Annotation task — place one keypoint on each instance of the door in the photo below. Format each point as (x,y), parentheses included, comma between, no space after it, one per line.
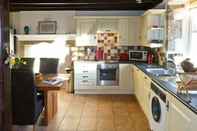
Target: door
(123,29)
(86,30)
(125,77)
(5,93)
(107,25)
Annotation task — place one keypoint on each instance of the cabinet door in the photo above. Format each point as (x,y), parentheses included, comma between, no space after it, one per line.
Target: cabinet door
(123,30)
(86,30)
(86,26)
(125,76)
(178,117)
(107,25)
(146,96)
(134,30)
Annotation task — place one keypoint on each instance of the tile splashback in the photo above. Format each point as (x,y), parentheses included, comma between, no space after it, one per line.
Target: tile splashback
(89,52)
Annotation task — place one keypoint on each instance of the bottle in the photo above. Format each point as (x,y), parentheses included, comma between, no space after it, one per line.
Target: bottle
(150,58)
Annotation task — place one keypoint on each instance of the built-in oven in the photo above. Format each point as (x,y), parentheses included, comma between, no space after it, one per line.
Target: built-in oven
(108,74)
(135,55)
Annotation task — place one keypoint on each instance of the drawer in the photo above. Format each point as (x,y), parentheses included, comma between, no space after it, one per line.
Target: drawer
(87,82)
(85,71)
(85,76)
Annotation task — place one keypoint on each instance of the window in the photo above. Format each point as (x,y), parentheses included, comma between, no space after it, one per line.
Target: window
(193,36)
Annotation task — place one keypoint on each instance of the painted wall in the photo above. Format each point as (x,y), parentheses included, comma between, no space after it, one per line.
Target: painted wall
(65,21)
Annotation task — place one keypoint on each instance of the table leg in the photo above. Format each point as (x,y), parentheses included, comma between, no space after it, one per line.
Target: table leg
(50,106)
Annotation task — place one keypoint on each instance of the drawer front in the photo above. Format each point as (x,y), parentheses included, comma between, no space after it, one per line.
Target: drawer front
(85,76)
(86,84)
(85,71)
(85,68)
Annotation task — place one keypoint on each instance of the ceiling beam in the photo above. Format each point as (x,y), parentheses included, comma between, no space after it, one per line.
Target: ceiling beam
(82,5)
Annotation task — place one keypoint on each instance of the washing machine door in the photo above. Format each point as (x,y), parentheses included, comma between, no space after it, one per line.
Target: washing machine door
(156,109)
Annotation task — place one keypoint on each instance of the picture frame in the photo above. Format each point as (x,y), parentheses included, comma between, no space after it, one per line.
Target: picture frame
(47,27)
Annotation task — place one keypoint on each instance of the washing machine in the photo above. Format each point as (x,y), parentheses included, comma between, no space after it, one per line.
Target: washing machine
(157,108)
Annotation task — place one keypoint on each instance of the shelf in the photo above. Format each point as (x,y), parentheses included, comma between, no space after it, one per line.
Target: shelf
(45,37)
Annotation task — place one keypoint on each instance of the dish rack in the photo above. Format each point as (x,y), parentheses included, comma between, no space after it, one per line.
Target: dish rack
(188,82)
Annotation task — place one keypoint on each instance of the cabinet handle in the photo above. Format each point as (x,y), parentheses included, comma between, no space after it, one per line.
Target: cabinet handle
(167,105)
(85,71)
(84,81)
(85,76)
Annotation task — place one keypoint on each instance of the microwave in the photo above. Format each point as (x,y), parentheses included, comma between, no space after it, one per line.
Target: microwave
(135,55)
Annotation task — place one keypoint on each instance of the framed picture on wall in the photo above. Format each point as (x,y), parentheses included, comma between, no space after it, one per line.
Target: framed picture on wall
(47,27)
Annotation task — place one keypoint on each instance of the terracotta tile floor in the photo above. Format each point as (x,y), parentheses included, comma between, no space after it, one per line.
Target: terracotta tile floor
(95,113)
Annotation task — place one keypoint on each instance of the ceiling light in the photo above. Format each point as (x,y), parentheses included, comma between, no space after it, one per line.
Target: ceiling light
(139,1)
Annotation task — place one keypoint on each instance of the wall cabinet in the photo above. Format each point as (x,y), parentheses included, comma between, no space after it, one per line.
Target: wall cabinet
(153,28)
(125,77)
(86,32)
(128,28)
(107,25)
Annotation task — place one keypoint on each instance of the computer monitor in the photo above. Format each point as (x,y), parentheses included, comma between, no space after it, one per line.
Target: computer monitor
(48,65)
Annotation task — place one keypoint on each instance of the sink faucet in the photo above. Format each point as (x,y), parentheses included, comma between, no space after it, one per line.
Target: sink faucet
(171,66)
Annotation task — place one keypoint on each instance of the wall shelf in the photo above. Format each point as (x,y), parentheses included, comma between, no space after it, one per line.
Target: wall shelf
(45,37)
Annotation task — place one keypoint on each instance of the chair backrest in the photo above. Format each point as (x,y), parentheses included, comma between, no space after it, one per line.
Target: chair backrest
(48,65)
(23,96)
(29,63)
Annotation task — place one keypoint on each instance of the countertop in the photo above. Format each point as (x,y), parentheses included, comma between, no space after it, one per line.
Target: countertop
(171,87)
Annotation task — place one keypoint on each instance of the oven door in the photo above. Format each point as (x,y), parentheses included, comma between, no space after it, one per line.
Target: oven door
(108,75)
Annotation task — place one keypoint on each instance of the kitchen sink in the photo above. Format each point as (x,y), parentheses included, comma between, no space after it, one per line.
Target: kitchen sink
(159,72)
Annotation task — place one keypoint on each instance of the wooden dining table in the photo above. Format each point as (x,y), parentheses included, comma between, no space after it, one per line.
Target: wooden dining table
(50,94)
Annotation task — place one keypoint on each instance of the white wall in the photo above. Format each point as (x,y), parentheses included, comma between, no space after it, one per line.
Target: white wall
(65,21)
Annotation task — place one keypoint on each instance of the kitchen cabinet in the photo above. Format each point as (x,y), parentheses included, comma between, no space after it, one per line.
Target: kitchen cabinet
(179,117)
(134,30)
(142,85)
(123,30)
(146,96)
(136,80)
(86,32)
(153,28)
(125,76)
(107,25)
(85,75)
(128,28)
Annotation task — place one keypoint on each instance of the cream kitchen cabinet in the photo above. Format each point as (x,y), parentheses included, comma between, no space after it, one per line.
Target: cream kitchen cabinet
(139,83)
(142,85)
(146,94)
(179,117)
(86,32)
(129,30)
(134,30)
(107,25)
(153,28)
(123,30)
(125,76)
(85,75)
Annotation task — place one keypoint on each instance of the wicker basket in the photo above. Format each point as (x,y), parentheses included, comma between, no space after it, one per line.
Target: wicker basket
(188,82)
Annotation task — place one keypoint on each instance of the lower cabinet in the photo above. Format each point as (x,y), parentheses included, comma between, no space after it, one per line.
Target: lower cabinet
(142,85)
(179,117)
(125,77)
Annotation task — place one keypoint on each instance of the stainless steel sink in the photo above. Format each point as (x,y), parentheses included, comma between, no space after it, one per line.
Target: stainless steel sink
(159,71)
